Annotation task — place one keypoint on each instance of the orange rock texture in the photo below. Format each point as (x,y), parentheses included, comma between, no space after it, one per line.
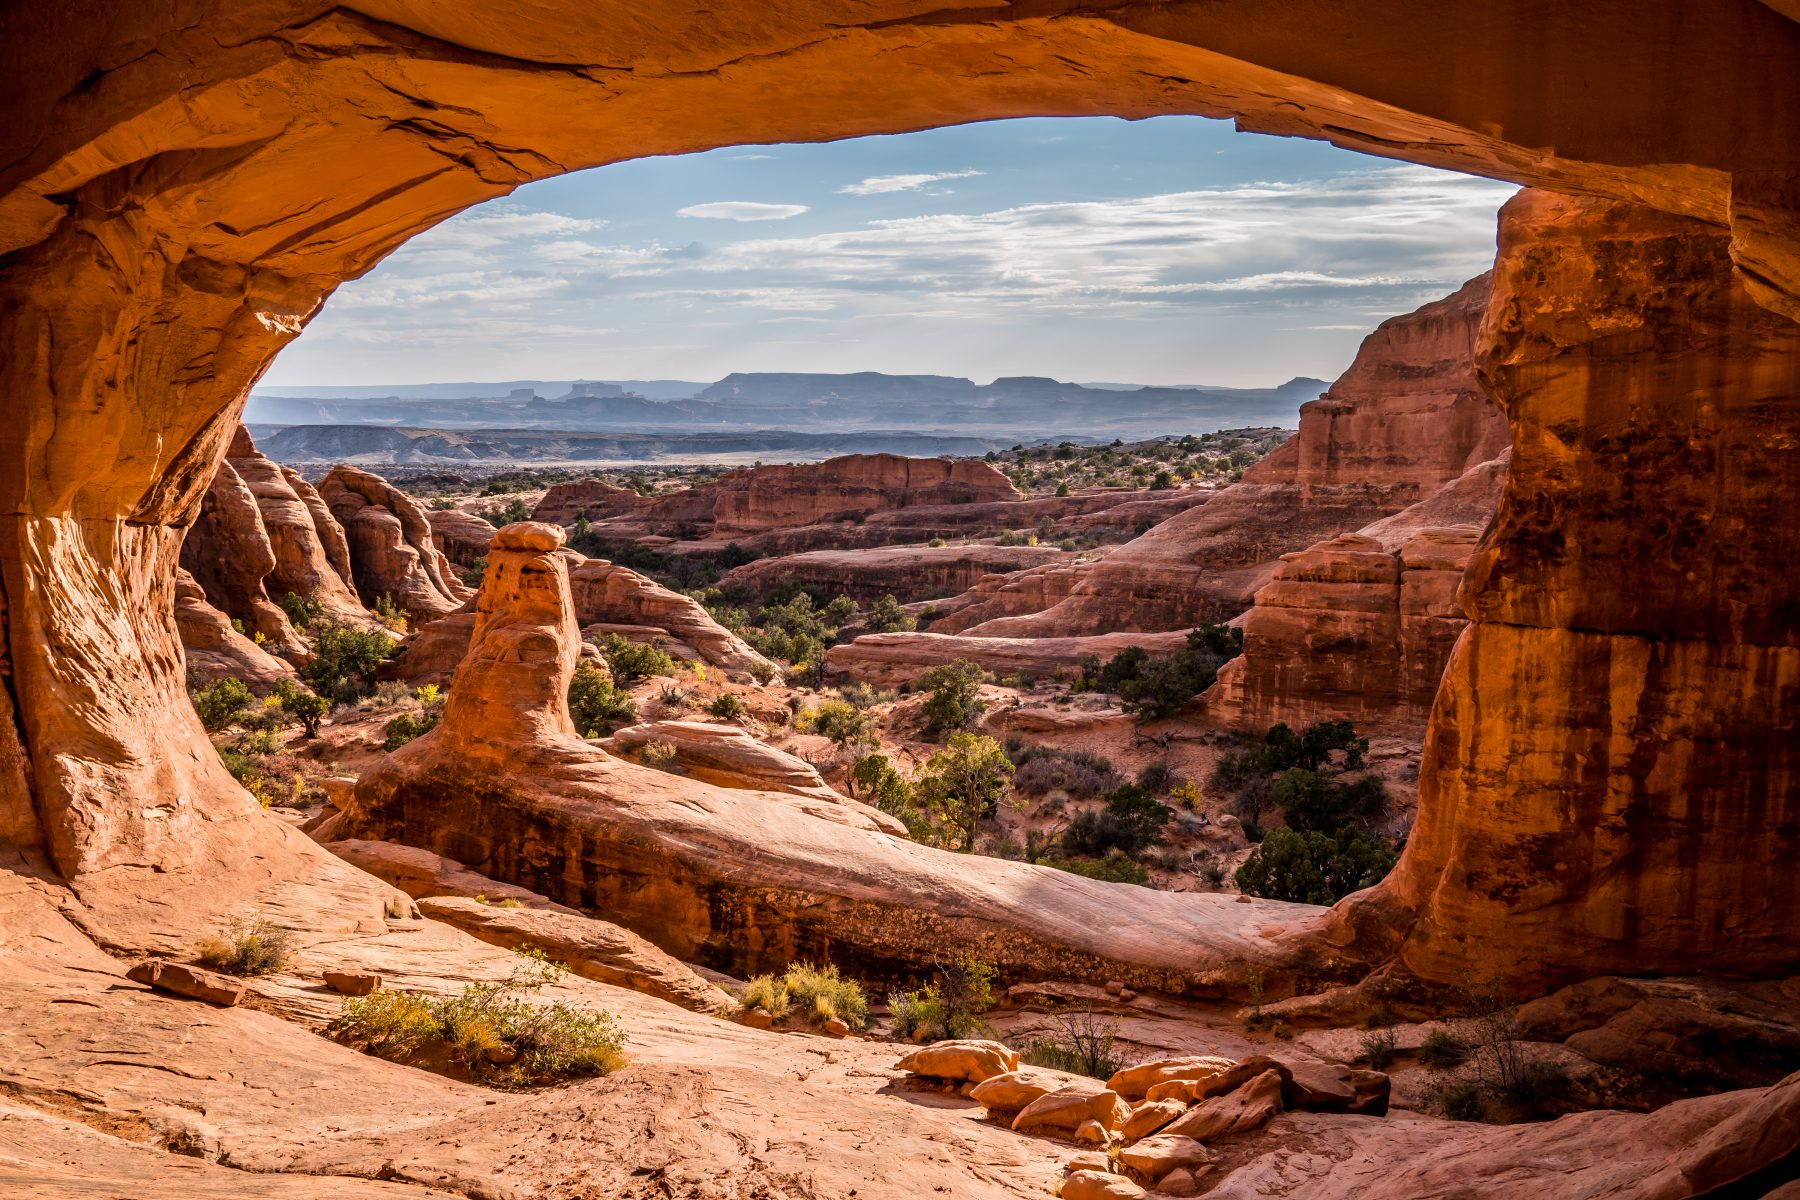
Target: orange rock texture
(392,553)
(182,189)
(905,572)
(1613,764)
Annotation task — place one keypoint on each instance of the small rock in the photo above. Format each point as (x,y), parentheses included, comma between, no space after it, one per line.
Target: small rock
(1182,1181)
(967,1089)
(500,1056)
(1243,899)
(1128,995)
(1063,1110)
(1249,1107)
(756,1018)
(837,1027)
(1114,987)
(192,982)
(1090,1133)
(1091,1160)
(1134,1083)
(1098,1185)
(352,983)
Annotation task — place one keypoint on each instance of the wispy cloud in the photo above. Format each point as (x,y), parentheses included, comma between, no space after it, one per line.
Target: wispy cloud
(877,184)
(742,210)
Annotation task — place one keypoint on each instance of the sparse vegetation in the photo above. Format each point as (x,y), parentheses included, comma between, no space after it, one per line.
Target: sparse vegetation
(631,661)
(249,947)
(817,993)
(219,704)
(838,720)
(345,659)
(1443,1050)
(726,707)
(962,785)
(489,1031)
(595,705)
(1078,1042)
(1158,688)
(950,1006)
(1379,1048)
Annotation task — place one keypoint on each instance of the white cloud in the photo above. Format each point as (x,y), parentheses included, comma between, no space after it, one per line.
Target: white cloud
(742,210)
(750,157)
(877,184)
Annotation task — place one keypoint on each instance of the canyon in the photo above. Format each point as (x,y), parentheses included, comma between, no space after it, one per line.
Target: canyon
(1576,515)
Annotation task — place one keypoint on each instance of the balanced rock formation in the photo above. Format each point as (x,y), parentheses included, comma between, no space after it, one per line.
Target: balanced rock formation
(904,572)
(214,649)
(1359,627)
(1408,417)
(738,879)
(391,548)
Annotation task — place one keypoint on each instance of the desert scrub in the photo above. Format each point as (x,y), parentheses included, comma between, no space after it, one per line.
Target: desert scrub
(1379,1048)
(950,1006)
(220,703)
(663,756)
(248,947)
(838,720)
(815,993)
(1443,1050)
(725,707)
(630,661)
(489,1031)
(595,705)
(1078,1043)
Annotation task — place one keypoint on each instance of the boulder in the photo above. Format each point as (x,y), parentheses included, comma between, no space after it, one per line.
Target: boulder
(1134,1082)
(1333,1087)
(461,535)
(972,1060)
(1182,1181)
(352,983)
(593,949)
(213,649)
(192,982)
(1063,1110)
(1099,1185)
(1149,1116)
(1154,1157)
(1010,1092)
(1248,1108)
(1090,1133)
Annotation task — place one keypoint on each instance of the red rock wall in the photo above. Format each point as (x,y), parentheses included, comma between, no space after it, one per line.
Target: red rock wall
(1408,417)
(391,549)
(1612,774)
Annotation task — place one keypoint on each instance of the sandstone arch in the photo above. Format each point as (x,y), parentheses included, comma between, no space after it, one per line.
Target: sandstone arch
(184,185)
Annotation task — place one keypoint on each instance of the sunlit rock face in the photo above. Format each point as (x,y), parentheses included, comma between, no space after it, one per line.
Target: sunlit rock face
(1408,417)
(1612,775)
(392,553)
(183,188)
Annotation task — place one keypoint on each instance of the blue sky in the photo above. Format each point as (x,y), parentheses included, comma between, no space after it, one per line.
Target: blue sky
(1173,250)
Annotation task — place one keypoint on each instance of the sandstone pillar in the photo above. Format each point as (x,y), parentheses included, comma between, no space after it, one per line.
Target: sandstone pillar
(1612,774)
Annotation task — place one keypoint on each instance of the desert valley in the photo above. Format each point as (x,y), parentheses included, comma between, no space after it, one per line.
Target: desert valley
(1399,801)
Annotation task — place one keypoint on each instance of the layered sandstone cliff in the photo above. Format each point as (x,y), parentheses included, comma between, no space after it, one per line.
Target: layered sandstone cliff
(1359,627)
(1408,417)
(462,536)
(904,572)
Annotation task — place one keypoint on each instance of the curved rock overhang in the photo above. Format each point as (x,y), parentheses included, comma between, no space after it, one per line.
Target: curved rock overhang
(185,184)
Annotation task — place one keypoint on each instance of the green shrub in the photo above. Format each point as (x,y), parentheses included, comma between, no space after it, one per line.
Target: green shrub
(220,703)
(838,720)
(664,756)
(1460,1102)
(1379,1048)
(1132,821)
(1443,1050)
(948,1007)
(726,707)
(888,617)
(1115,867)
(405,727)
(1157,689)
(1314,868)
(875,781)
(631,661)
(767,993)
(953,699)
(248,947)
(963,784)
(1079,1044)
(303,706)
(300,610)
(595,705)
(821,993)
(344,660)
(488,1030)
(937,543)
